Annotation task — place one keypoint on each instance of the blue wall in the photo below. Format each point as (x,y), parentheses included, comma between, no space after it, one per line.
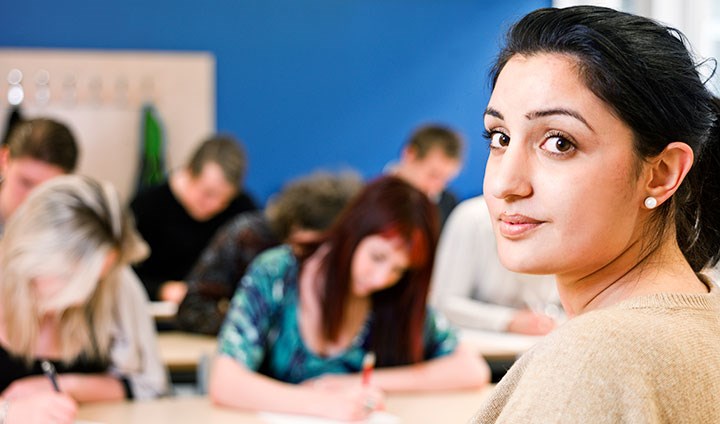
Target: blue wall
(308,84)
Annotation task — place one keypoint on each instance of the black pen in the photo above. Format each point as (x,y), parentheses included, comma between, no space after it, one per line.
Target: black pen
(49,370)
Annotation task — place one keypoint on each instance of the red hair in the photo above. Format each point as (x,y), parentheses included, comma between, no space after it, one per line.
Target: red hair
(416,244)
(389,207)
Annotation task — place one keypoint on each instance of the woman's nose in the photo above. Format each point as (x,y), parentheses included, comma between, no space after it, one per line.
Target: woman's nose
(507,174)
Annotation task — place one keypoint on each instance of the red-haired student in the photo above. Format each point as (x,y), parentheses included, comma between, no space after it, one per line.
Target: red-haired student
(298,328)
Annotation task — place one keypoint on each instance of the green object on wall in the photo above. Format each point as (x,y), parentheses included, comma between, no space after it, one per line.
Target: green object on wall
(152,151)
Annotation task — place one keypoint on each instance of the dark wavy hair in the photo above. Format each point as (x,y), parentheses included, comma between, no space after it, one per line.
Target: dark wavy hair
(646,74)
(311,202)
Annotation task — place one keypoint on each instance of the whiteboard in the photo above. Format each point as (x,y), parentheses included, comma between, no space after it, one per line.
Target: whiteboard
(100,94)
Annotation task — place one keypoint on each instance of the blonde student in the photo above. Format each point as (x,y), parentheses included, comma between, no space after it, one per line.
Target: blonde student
(68,297)
(603,170)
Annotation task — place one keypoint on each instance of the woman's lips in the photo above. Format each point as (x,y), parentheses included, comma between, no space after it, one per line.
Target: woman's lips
(516,225)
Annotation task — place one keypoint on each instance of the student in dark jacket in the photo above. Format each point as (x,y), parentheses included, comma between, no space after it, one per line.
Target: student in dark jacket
(179,217)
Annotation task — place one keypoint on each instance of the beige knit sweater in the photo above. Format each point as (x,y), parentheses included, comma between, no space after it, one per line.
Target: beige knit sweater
(652,359)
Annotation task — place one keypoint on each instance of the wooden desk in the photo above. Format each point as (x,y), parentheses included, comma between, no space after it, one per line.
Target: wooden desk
(494,346)
(163,311)
(181,352)
(452,407)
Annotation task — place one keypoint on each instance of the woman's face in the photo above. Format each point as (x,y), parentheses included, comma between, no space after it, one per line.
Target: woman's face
(21,175)
(430,173)
(50,287)
(377,264)
(208,194)
(562,182)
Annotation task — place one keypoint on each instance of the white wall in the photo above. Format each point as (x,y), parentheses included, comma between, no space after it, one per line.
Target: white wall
(100,95)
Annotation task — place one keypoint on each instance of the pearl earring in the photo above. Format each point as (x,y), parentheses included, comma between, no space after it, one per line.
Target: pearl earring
(650,202)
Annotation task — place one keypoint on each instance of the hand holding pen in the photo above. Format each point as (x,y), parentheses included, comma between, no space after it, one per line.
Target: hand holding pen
(27,401)
(347,398)
(70,409)
(368,365)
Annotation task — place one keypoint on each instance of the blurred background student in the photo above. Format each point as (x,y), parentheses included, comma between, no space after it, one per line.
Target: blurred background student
(430,159)
(35,151)
(474,290)
(179,217)
(312,319)
(68,296)
(297,215)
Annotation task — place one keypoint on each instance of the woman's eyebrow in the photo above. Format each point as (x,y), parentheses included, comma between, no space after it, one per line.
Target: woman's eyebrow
(492,112)
(543,113)
(558,111)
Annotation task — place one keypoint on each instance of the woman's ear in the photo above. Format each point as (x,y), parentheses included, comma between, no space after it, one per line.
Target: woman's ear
(668,170)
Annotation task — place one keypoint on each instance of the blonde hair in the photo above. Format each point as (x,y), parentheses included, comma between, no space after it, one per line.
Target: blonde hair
(65,229)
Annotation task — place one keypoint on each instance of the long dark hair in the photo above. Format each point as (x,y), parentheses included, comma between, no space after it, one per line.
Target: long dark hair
(388,207)
(646,74)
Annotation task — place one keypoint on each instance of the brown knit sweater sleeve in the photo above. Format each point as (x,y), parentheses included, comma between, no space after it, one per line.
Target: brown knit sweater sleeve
(654,359)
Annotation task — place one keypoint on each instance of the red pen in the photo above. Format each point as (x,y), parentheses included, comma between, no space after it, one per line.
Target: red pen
(367,367)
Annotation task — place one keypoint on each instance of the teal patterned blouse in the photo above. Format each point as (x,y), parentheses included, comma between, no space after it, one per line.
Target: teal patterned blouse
(261,328)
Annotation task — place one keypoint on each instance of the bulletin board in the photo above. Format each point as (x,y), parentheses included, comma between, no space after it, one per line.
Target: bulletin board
(100,96)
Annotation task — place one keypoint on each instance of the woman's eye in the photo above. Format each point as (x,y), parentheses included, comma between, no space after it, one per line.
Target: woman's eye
(557,144)
(498,139)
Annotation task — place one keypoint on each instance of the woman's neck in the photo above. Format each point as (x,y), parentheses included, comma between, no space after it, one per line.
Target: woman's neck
(48,345)
(630,274)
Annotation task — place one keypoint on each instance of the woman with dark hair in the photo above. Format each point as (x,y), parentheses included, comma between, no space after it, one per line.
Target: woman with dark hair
(603,171)
(313,319)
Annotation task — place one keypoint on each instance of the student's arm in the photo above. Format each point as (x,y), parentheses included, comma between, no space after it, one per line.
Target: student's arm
(462,369)
(202,312)
(448,366)
(92,387)
(134,353)
(80,387)
(233,385)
